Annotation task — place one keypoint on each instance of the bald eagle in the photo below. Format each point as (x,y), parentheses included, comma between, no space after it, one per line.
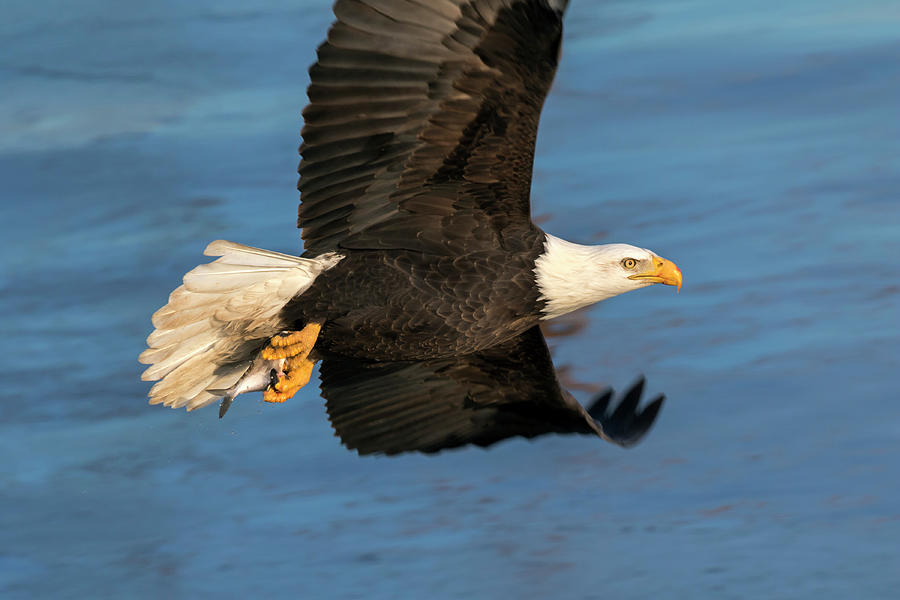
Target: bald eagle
(423,281)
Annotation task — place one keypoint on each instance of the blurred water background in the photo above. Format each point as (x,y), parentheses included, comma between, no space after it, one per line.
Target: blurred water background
(756,144)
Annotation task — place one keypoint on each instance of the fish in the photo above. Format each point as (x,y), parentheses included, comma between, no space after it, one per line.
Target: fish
(260,375)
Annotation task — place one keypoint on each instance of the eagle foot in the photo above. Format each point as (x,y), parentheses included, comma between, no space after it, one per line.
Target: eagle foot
(294,347)
(292,343)
(297,372)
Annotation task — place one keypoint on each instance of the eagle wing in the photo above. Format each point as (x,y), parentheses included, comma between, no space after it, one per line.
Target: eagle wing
(508,390)
(421,125)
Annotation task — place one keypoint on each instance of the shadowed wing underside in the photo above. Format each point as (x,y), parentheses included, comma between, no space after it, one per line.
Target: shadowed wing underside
(508,390)
(422,121)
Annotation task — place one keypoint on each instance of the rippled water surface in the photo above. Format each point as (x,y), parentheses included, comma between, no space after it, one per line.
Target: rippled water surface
(757,145)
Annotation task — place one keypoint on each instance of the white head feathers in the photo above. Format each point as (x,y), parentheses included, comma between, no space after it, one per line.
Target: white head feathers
(571,276)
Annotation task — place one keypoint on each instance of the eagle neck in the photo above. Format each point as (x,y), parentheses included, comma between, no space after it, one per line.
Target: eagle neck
(569,277)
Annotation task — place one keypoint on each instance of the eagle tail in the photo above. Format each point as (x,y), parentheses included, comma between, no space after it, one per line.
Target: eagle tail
(213,325)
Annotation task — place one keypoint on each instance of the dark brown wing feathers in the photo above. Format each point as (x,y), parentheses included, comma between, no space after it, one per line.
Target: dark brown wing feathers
(422,119)
(508,390)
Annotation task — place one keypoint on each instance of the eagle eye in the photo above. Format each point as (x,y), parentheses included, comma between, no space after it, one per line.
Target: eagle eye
(629,263)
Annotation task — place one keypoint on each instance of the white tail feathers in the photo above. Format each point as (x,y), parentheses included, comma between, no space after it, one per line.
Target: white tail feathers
(203,332)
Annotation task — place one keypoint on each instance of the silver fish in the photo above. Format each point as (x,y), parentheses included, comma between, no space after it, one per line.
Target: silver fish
(260,375)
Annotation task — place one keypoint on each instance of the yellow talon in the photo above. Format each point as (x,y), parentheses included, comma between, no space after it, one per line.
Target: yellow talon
(291,382)
(275,353)
(287,339)
(294,348)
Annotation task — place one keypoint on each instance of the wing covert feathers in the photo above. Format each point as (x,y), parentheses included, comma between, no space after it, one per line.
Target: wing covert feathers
(207,333)
(508,390)
(422,121)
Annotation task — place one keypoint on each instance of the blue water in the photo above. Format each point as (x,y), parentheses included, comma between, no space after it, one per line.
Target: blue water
(756,144)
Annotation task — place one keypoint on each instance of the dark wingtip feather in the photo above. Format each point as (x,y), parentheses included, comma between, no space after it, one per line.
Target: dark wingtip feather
(626,425)
(645,419)
(598,409)
(628,406)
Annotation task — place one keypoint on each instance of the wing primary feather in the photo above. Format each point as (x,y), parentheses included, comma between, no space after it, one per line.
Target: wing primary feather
(629,403)
(443,87)
(600,404)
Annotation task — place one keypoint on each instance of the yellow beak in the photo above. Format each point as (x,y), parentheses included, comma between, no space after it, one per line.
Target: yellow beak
(663,271)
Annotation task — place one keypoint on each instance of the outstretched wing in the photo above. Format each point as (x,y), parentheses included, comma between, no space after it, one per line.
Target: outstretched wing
(508,390)
(421,124)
